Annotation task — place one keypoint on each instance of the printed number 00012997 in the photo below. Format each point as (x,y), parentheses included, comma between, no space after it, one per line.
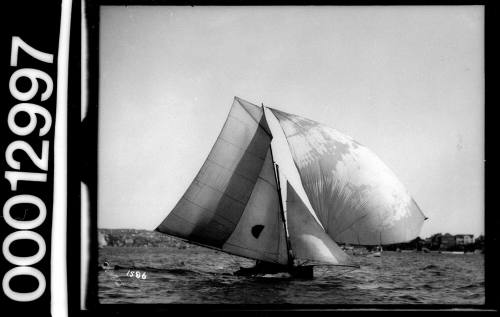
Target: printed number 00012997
(25,103)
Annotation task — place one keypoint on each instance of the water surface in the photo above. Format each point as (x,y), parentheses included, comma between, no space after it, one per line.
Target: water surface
(202,276)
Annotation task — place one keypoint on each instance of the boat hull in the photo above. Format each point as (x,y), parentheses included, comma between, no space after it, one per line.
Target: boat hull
(267,269)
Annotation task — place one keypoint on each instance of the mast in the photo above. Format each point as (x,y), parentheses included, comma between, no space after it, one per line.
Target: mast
(282,210)
(283,216)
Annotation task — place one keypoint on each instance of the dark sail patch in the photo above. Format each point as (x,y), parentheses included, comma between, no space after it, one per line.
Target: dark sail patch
(256,230)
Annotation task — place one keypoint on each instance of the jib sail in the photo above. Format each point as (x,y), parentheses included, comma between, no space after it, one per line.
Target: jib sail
(310,243)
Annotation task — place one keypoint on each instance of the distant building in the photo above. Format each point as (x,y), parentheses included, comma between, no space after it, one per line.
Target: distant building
(447,241)
(435,241)
(464,239)
(450,242)
(479,242)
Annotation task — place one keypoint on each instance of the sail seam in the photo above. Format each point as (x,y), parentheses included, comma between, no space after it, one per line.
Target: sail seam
(220,223)
(266,181)
(230,170)
(184,219)
(239,148)
(214,212)
(249,249)
(223,194)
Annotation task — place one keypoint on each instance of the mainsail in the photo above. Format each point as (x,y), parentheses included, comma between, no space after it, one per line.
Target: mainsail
(235,203)
(232,203)
(356,197)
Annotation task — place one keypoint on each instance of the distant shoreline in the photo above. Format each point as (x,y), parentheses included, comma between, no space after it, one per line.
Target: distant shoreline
(138,238)
(148,238)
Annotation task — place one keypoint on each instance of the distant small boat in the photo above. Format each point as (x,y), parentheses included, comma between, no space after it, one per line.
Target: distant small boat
(452,252)
(377,252)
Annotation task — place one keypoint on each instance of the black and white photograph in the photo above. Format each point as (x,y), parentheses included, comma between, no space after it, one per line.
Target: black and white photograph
(325,155)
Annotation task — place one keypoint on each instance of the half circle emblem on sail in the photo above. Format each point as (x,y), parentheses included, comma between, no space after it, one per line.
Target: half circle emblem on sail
(234,191)
(355,196)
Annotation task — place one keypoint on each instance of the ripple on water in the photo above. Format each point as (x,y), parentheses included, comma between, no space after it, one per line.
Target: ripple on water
(204,276)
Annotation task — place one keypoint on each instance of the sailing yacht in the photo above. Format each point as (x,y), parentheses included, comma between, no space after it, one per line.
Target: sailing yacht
(285,190)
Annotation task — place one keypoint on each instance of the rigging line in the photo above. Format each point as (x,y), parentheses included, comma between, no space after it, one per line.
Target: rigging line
(352,224)
(420,210)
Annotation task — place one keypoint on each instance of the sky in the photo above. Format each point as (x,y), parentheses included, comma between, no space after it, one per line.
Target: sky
(407,82)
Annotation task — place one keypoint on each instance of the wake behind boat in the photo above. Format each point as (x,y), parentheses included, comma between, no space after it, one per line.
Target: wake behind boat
(290,219)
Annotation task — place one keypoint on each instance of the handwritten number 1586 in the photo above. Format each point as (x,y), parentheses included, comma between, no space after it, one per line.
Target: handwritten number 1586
(137,274)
